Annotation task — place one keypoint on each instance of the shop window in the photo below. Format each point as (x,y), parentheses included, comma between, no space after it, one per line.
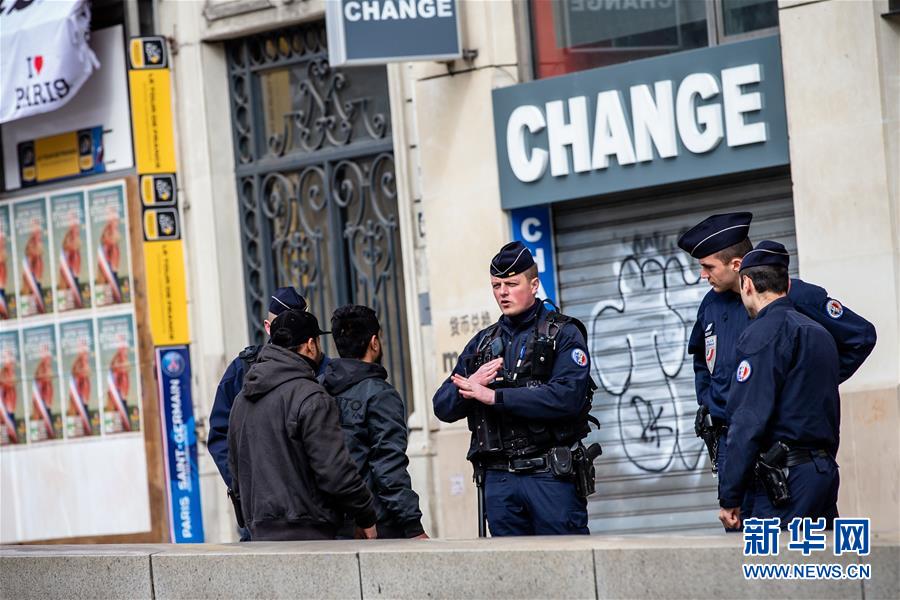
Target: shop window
(574,35)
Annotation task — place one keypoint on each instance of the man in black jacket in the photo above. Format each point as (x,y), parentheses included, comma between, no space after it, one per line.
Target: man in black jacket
(289,465)
(373,416)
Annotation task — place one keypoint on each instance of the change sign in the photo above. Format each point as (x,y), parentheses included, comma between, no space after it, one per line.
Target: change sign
(367,32)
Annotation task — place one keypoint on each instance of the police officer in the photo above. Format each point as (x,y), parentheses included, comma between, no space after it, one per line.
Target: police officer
(784,409)
(230,385)
(720,243)
(524,386)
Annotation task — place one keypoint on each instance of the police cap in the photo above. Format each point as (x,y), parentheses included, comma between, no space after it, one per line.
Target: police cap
(767,254)
(286,298)
(715,233)
(513,258)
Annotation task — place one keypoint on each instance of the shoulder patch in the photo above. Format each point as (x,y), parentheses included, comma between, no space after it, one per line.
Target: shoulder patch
(834,309)
(744,371)
(579,357)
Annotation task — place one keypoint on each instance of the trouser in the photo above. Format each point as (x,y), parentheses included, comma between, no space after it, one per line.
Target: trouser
(533,504)
(747,502)
(814,493)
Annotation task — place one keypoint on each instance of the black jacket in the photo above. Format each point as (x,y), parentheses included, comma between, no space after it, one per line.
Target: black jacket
(287,455)
(373,417)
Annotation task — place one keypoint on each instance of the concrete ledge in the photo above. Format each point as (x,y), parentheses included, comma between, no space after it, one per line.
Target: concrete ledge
(573,567)
(50,572)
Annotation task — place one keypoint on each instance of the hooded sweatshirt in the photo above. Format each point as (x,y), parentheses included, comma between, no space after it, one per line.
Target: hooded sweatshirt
(288,460)
(373,416)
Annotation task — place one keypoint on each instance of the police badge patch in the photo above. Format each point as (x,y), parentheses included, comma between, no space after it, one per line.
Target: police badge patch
(579,357)
(743,371)
(711,352)
(834,309)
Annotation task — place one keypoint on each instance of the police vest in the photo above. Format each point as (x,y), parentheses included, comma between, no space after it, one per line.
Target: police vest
(494,432)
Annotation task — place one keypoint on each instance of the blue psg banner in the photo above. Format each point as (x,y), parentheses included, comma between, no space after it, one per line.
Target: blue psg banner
(173,371)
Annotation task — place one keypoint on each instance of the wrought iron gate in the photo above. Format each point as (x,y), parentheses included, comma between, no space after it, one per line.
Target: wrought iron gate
(315,179)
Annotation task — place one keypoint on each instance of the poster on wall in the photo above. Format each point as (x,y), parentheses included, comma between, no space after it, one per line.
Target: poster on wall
(79,378)
(73,288)
(41,384)
(109,244)
(118,374)
(7,269)
(12,427)
(33,258)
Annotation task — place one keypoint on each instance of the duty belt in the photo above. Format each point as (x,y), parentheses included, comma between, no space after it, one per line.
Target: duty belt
(532,464)
(802,456)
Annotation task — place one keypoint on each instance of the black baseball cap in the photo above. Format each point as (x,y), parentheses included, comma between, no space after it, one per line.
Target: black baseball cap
(294,327)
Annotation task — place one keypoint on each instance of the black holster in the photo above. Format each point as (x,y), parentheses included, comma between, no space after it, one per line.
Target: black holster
(236,503)
(771,473)
(583,468)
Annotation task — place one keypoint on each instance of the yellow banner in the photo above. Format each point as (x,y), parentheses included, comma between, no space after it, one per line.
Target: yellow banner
(151,113)
(166,296)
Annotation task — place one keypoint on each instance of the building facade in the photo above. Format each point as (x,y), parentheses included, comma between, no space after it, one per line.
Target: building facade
(393,186)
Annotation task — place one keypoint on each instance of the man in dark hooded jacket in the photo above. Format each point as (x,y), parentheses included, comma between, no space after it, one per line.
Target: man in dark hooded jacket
(289,465)
(373,416)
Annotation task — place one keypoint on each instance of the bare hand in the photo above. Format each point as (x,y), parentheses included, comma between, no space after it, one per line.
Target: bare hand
(421,536)
(487,372)
(730,517)
(471,390)
(368,533)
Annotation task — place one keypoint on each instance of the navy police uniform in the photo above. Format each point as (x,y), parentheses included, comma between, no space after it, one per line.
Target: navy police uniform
(532,415)
(785,390)
(722,318)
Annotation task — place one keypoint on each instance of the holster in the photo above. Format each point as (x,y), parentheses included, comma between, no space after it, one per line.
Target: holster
(236,503)
(583,468)
(770,472)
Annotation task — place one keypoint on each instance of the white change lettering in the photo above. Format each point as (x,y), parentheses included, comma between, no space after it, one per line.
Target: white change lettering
(700,113)
(397,10)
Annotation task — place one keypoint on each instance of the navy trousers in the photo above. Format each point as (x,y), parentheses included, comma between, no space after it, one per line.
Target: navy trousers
(533,504)
(747,502)
(814,493)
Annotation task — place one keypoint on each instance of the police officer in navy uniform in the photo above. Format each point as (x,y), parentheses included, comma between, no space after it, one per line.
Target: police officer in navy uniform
(784,408)
(720,243)
(283,299)
(524,386)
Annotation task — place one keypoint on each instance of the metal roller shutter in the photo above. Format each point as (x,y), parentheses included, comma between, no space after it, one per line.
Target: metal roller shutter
(622,274)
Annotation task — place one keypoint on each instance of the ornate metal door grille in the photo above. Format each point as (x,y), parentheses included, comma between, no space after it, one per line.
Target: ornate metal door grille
(315,179)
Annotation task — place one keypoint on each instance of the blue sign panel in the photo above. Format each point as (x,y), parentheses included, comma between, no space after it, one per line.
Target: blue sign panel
(661,120)
(173,370)
(366,32)
(532,226)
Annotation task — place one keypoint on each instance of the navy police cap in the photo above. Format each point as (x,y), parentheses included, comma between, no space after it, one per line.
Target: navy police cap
(715,233)
(285,298)
(512,259)
(767,254)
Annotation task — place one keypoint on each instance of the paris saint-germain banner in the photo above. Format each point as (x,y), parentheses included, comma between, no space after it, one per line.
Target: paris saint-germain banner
(173,365)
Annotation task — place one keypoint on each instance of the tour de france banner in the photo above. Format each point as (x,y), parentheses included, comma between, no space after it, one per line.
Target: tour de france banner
(12,426)
(73,287)
(180,441)
(7,270)
(32,258)
(42,384)
(44,55)
(109,245)
(119,374)
(80,383)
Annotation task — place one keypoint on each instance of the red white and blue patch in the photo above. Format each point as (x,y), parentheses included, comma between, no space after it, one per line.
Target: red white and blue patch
(743,371)
(579,357)
(834,309)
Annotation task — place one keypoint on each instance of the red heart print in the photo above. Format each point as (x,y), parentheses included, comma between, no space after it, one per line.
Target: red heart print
(38,63)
